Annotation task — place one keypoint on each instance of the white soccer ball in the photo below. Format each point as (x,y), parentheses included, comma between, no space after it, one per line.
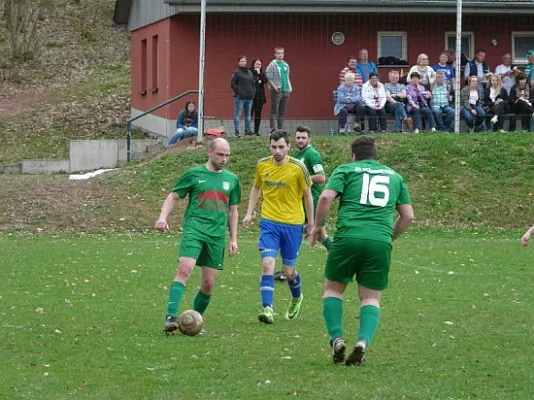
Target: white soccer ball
(190,323)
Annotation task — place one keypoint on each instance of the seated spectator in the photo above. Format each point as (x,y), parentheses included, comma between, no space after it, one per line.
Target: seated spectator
(507,71)
(396,97)
(349,101)
(520,101)
(479,68)
(442,66)
(440,103)
(374,97)
(351,67)
(418,103)
(186,123)
(366,67)
(471,101)
(426,73)
(496,101)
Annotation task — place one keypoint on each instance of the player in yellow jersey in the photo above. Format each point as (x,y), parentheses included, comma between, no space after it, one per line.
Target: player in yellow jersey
(284,181)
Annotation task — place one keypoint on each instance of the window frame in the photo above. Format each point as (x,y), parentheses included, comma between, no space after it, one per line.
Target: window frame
(404,38)
(470,35)
(515,59)
(155,64)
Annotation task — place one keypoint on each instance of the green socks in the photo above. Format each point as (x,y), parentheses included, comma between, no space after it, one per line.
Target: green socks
(327,242)
(175,298)
(369,316)
(202,301)
(333,316)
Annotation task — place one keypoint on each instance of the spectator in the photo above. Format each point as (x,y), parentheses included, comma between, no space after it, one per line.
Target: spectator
(244,88)
(530,66)
(442,66)
(520,102)
(396,97)
(506,72)
(260,79)
(496,101)
(366,67)
(426,73)
(418,103)
(278,74)
(440,104)
(472,111)
(479,68)
(374,97)
(349,101)
(351,67)
(186,123)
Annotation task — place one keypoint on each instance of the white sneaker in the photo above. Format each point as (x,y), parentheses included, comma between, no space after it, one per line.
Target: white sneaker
(494,119)
(416,130)
(433,130)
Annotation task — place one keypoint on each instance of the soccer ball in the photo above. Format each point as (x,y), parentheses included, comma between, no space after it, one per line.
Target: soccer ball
(190,323)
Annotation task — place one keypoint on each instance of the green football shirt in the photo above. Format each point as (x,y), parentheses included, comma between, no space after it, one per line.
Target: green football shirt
(314,163)
(210,196)
(369,193)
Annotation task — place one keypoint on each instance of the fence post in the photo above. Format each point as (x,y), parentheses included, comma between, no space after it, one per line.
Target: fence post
(128,142)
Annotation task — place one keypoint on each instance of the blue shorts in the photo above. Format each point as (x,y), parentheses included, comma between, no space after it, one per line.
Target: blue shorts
(275,236)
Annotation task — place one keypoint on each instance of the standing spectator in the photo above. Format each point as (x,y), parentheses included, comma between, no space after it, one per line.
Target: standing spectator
(244,88)
(506,71)
(186,123)
(472,110)
(278,74)
(396,97)
(351,67)
(260,79)
(496,101)
(445,68)
(479,68)
(440,103)
(427,76)
(374,97)
(530,66)
(349,101)
(366,67)
(418,103)
(520,102)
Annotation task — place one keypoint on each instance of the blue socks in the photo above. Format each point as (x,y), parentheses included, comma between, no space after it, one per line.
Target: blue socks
(294,286)
(267,290)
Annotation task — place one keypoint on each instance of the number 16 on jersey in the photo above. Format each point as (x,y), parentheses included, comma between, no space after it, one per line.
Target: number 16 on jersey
(372,186)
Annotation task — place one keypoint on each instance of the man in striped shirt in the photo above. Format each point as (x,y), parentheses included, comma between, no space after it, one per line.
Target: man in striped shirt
(440,104)
(351,67)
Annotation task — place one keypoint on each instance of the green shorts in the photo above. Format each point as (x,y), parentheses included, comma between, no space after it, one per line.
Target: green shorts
(208,251)
(368,259)
(315,204)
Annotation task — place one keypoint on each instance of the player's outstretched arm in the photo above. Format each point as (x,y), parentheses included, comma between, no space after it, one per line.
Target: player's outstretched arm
(402,223)
(323,205)
(166,209)
(252,201)
(233,221)
(308,203)
(526,237)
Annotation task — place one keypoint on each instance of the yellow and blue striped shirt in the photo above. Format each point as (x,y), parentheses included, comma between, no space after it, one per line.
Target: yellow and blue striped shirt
(283,187)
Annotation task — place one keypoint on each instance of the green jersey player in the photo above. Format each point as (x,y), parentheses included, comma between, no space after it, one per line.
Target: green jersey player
(214,194)
(369,193)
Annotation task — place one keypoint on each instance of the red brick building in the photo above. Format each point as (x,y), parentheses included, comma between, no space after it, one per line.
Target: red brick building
(165,46)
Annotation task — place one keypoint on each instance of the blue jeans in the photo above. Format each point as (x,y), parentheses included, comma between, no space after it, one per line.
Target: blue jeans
(427,113)
(181,134)
(241,104)
(398,111)
(474,122)
(446,125)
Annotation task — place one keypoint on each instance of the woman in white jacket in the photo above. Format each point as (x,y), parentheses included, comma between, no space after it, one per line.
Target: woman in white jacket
(425,71)
(374,97)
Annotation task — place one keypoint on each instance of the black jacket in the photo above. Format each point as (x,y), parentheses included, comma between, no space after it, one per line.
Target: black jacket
(503,94)
(242,84)
(259,81)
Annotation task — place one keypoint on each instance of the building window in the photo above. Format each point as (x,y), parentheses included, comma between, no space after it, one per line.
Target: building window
(143,67)
(155,51)
(392,44)
(468,43)
(522,42)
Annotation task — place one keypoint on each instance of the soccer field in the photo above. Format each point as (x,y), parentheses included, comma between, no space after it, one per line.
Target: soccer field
(83,316)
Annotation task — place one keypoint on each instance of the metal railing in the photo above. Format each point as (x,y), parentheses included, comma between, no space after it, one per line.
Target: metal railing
(129,122)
